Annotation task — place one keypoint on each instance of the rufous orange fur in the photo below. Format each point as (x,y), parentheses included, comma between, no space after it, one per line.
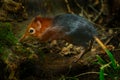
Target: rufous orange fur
(44,23)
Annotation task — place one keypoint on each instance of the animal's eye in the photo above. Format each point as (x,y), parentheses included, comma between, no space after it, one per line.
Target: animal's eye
(31,30)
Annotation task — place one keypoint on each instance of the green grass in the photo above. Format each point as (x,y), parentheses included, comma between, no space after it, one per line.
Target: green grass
(112,70)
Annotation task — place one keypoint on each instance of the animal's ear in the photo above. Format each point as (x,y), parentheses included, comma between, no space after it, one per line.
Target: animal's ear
(37,20)
(39,24)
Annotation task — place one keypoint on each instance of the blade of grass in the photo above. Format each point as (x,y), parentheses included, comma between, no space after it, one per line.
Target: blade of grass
(102,68)
(102,74)
(107,51)
(100,60)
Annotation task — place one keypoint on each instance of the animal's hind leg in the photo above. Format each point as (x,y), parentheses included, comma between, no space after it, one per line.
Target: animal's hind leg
(84,50)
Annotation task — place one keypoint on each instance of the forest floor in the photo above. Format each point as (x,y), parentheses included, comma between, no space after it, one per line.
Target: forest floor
(55,60)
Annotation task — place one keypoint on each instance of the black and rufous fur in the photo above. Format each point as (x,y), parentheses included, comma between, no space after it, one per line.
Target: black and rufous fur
(77,30)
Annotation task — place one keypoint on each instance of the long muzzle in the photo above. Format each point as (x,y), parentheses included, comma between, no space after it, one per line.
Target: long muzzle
(24,37)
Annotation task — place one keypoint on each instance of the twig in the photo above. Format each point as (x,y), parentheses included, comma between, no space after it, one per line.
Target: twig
(101,11)
(82,74)
(100,26)
(93,8)
(108,40)
(68,7)
(117,49)
(82,10)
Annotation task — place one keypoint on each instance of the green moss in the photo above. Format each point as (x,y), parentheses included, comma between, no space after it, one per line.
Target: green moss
(7,38)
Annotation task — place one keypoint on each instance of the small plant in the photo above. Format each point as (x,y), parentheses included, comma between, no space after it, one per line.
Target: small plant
(112,68)
(107,68)
(7,38)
